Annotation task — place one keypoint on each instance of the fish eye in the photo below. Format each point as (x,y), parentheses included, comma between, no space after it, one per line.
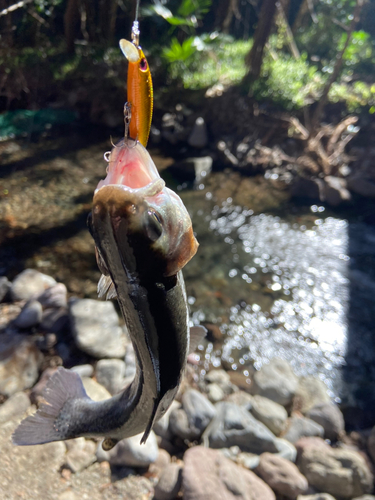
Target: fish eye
(143,66)
(153,225)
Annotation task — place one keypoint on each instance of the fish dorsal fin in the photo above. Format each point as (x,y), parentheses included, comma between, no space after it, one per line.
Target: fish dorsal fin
(197,334)
(106,288)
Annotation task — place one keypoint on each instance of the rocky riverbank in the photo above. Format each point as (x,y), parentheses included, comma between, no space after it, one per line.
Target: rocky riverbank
(268,435)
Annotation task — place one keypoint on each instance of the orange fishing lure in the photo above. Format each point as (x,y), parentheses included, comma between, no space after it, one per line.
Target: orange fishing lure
(140,91)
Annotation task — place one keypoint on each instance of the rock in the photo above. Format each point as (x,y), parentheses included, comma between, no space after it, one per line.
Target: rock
(157,467)
(83,370)
(37,391)
(362,185)
(55,296)
(208,475)
(94,390)
(281,475)
(30,315)
(271,414)
(302,427)
(19,363)
(219,377)
(29,284)
(80,455)
(191,420)
(192,169)
(169,483)
(234,426)
(247,460)
(241,398)
(317,496)
(54,320)
(330,418)
(276,381)
(198,136)
(161,427)
(333,190)
(340,472)
(95,327)
(130,452)
(130,362)
(68,495)
(15,406)
(365,497)
(215,393)
(110,374)
(285,449)
(5,287)
(310,392)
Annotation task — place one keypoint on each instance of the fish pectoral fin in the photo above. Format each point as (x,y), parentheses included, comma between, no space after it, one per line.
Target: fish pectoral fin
(197,334)
(106,288)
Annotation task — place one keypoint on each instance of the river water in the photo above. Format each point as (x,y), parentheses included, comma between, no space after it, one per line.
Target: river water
(279,279)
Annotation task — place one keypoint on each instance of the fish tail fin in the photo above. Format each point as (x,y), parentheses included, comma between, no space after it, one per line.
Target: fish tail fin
(42,427)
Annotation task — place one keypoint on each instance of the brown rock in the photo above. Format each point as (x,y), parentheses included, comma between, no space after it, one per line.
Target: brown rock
(281,475)
(208,475)
(170,482)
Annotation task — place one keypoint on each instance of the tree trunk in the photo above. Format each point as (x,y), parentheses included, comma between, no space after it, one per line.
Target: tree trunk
(255,57)
(70,17)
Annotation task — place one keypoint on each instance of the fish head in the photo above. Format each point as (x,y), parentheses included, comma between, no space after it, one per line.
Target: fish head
(135,215)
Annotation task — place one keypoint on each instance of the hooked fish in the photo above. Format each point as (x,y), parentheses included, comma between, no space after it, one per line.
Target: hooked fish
(144,237)
(140,91)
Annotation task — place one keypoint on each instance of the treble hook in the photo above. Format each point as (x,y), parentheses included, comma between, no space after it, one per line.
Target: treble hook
(127,118)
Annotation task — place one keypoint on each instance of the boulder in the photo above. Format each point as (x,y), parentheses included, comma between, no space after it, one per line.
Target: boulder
(302,427)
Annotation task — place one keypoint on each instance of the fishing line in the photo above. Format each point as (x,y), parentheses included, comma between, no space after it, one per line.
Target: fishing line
(135,27)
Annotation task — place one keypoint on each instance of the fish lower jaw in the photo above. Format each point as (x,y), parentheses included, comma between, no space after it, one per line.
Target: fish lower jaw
(151,189)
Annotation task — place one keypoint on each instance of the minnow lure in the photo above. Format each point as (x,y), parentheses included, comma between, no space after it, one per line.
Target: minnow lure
(140,90)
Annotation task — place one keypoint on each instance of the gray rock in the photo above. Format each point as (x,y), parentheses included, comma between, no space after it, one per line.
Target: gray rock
(191,420)
(161,427)
(36,393)
(80,455)
(130,453)
(19,363)
(94,390)
(271,414)
(342,473)
(5,286)
(285,449)
(317,496)
(215,393)
(198,136)
(54,320)
(302,427)
(330,418)
(276,381)
(130,362)
(110,374)
(248,460)
(30,315)
(55,296)
(220,377)
(311,391)
(234,426)
(83,370)
(29,284)
(169,483)
(95,327)
(241,398)
(15,406)
(281,475)
(208,475)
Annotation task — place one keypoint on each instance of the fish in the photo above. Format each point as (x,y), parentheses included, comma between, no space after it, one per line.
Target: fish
(139,90)
(143,238)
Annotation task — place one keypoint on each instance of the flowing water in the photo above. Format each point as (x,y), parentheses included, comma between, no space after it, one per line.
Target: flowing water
(279,279)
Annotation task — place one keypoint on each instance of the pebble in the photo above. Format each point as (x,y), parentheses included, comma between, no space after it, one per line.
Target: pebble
(5,286)
(310,392)
(285,449)
(276,381)
(68,495)
(215,393)
(110,374)
(55,296)
(302,427)
(241,398)
(234,426)
(157,467)
(54,320)
(247,460)
(29,284)
(130,452)
(208,475)
(30,315)
(19,363)
(169,483)
(130,362)
(80,455)
(330,418)
(83,370)
(15,406)
(37,391)
(271,414)
(340,472)
(95,327)
(221,378)
(281,475)
(94,390)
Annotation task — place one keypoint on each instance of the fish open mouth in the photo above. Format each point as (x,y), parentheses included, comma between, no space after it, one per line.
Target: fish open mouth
(131,168)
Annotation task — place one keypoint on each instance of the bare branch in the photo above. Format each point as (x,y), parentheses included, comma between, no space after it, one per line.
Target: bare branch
(14,7)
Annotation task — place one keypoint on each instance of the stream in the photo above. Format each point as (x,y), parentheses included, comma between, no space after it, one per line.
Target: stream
(278,278)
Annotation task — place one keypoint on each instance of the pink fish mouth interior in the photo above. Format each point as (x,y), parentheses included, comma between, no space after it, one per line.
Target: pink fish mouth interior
(130,167)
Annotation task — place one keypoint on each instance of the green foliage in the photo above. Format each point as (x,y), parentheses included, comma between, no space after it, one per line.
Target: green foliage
(177,52)
(187,15)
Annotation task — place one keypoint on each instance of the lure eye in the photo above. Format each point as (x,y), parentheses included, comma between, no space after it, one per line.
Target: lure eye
(143,66)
